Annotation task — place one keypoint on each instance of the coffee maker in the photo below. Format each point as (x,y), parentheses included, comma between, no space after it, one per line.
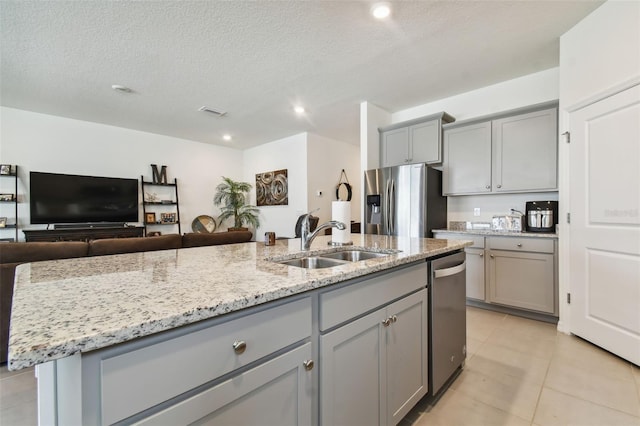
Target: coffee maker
(541,216)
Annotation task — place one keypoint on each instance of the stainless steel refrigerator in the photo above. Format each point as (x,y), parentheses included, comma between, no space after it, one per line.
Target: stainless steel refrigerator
(404,201)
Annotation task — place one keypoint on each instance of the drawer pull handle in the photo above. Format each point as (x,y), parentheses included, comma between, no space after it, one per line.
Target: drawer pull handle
(239,346)
(481,254)
(519,245)
(386,322)
(491,256)
(308,365)
(499,186)
(488,187)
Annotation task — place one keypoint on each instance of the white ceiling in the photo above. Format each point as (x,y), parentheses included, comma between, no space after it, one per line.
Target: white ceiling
(255,59)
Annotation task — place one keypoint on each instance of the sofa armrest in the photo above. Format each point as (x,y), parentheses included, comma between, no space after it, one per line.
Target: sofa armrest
(199,240)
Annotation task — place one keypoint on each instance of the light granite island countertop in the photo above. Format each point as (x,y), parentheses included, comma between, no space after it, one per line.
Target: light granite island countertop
(71,306)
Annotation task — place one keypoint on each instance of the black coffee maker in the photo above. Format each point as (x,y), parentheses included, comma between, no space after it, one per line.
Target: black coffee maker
(541,216)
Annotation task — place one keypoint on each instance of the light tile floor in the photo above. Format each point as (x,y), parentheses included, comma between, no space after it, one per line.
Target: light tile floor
(518,372)
(523,372)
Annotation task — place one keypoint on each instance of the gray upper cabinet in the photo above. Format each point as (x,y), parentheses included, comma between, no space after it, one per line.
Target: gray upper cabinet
(415,141)
(467,160)
(514,151)
(525,152)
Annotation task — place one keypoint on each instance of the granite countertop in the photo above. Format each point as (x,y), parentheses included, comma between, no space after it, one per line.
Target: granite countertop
(68,306)
(492,233)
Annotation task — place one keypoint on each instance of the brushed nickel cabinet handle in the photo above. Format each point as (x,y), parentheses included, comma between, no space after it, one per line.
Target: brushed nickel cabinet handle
(499,186)
(386,322)
(394,318)
(308,365)
(239,346)
(491,256)
(481,255)
(488,187)
(519,245)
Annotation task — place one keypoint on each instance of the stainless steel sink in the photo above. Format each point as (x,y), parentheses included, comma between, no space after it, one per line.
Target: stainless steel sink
(313,262)
(329,260)
(354,255)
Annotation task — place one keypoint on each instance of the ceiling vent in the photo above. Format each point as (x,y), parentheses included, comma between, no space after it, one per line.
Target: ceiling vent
(212,111)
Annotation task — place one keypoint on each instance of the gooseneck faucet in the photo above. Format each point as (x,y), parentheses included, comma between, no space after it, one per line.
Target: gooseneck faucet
(306,236)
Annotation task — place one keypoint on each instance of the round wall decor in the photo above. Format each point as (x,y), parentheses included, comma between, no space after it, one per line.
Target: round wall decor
(203,224)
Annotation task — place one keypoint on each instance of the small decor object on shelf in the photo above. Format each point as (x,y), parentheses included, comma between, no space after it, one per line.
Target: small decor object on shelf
(6,197)
(3,222)
(154,234)
(159,177)
(168,217)
(5,169)
(150,197)
(150,218)
(272,188)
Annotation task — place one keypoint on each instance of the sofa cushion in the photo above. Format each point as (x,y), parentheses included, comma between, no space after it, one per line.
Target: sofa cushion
(134,245)
(199,240)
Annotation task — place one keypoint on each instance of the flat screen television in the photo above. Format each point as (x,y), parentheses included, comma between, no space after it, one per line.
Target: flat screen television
(59,198)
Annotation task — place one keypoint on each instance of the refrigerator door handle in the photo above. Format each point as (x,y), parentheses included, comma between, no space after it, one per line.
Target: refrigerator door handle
(393,208)
(387,205)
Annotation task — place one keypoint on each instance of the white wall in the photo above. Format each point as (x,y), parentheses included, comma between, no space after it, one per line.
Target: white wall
(602,51)
(520,92)
(326,158)
(288,153)
(40,142)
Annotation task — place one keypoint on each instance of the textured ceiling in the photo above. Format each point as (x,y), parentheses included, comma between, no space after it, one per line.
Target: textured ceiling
(255,59)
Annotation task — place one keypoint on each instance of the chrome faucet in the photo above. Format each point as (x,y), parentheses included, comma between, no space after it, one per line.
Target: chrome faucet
(306,236)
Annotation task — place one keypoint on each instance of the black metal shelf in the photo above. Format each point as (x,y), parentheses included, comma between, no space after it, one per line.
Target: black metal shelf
(175,203)
(14,175)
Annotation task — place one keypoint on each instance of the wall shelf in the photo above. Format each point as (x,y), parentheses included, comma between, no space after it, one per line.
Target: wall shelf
(160,207)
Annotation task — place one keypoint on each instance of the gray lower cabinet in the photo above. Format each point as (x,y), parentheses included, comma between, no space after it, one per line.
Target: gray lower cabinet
(509,152)
(522,277)
(475,274)
(511,271)
(374,369)
(277,392)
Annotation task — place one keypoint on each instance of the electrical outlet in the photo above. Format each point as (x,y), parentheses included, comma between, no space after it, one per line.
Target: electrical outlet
(476,211)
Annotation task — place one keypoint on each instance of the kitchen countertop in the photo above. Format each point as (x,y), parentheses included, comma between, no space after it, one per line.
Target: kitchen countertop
(68,306)
(491,233)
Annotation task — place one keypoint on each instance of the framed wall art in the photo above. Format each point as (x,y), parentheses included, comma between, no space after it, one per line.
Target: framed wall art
(272,188)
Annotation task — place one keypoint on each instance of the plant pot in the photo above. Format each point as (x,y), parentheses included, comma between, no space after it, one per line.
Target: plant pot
(237,229)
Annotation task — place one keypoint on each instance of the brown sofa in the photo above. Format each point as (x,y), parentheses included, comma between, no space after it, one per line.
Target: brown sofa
(13,254)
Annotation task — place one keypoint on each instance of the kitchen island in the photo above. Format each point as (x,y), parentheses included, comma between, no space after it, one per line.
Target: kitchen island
(146,336)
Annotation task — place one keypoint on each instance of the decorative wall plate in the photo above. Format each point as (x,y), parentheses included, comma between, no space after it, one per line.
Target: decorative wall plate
(203,224)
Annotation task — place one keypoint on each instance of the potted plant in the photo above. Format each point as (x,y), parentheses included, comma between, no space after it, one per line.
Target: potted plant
(231,195)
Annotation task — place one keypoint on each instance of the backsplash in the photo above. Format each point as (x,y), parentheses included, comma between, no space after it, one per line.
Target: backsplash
(460,208)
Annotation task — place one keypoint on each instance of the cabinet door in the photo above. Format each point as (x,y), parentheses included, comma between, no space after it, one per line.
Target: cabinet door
(394,147)
(407,355)
(475,273)
(353,376)
(424,143)
(278,392)
(522,280)
(525,152)
(467,160)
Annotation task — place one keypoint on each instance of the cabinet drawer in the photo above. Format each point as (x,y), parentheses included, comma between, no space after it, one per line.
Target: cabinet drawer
(338,306)
(478,241)
(140,379)
(539,245)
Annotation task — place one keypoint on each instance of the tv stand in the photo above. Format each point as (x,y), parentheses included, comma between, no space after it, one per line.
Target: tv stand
(82,234)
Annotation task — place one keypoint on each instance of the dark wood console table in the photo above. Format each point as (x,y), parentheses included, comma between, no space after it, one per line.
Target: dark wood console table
(82,234)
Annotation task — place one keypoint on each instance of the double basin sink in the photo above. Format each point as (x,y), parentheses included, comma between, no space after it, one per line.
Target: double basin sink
(328,260)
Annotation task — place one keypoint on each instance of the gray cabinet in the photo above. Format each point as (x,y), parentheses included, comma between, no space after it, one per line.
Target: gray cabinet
(374,369)
(521,273)
(415,141)
(511,271)
(277,392)
(475,263)
(511,152)
(467,160)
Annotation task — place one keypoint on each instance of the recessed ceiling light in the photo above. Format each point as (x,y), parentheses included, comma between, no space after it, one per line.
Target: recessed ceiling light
(381,10)
(120,88)
(226,137)
(298,109)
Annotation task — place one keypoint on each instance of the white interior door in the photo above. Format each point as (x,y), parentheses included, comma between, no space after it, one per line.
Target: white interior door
(605,223)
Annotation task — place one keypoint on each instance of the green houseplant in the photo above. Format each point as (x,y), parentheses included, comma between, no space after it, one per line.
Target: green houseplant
(231,196)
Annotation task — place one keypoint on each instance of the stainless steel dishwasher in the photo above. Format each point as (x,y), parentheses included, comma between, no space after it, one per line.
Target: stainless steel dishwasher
(447,319)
